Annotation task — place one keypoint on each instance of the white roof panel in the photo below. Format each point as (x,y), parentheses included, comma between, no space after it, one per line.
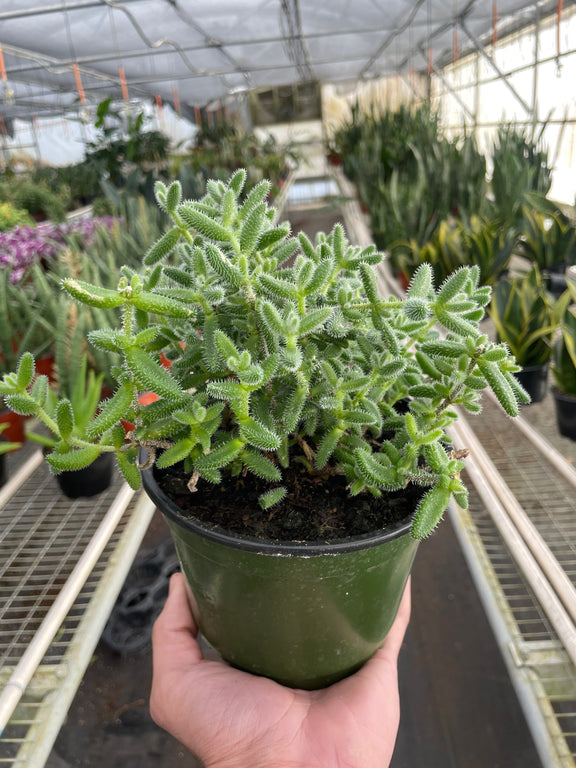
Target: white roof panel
(206,49)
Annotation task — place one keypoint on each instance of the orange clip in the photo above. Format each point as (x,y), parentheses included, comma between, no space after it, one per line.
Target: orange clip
(558,25)
(2,67)
(159,106)
(123,83)
(176,99)
(79,87)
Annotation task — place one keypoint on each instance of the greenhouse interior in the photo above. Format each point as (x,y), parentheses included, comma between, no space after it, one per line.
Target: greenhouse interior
(266,239)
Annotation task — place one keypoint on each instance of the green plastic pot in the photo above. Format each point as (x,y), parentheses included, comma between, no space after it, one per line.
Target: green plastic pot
(305,615)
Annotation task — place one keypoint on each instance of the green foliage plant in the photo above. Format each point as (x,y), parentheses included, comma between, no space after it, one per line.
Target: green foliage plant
(282,350)
(21,327)
(564,361)
(11,217)
(520,167)
(410,176)
(67,417)
(547,235)
(34,197)
(482,242)
(523,314)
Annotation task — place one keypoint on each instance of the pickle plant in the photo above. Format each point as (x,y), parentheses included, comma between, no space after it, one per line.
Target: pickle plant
(281,349)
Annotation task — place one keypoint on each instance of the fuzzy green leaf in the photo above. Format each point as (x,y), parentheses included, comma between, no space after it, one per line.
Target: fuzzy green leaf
(327,446)
(107,339)
(283,251)
(269,367)
(357,417)
(416,308)
(291,358)
(278,287)
(307,247)
(421,283)
(173,196)
(177,452)
(313,320)
(453,285)
(293,409)
(495,354)
(272,236)
(203,224)
(150,375)
(373,471)
(259,436)
(22,405)
(228,207)
(25,371)
(272,497)
(221,456)
(129,470)
(447,349)
(237,181)
(111,411)
(73,460)
(228,390)
(93,295)
(252,227)
(272,318)
(370,283)
(519,392)
(164,305)
(423,391)
(213,476)
(65,418)
(225,346)
(222,265)
(39,390)
(436,457)
(163,247)
(261,466)
(454,322)
(392,369)
(256,195)
(429,512)
(500,386)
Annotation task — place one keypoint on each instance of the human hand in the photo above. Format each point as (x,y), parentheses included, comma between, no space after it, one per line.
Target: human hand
(232,719)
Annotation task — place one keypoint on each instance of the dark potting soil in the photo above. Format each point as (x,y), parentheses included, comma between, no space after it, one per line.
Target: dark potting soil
(316,508)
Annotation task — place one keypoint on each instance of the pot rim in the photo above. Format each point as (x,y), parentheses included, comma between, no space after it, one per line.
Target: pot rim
(534,368)
(559,395)
(269,546)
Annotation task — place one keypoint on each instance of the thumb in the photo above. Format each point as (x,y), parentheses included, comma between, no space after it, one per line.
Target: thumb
(174,633)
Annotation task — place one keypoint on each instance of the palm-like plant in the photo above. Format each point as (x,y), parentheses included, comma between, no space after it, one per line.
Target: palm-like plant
(523,314)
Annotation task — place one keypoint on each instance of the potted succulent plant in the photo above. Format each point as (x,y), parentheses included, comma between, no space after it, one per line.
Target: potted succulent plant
(68,413)
(523,314)
(564,363)
(298,445)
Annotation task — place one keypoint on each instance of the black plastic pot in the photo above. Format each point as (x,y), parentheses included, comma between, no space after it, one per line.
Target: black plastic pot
(555,279)
(305,615)
(3,471)
(88,481)
(565,413)
(534,379)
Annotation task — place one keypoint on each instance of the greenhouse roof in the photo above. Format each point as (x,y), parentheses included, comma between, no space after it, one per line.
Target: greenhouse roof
(57,54)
